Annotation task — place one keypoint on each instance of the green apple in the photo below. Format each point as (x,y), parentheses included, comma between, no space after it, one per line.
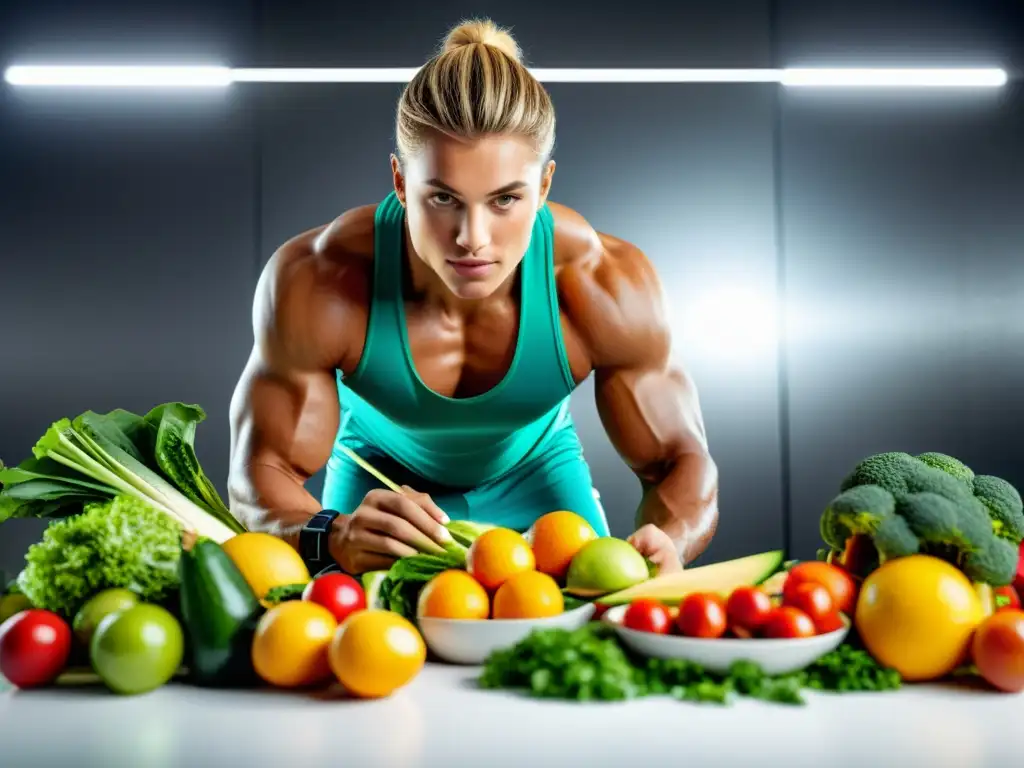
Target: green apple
(605,565)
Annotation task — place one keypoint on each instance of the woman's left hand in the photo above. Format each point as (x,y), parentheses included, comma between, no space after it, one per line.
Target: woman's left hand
(656,545)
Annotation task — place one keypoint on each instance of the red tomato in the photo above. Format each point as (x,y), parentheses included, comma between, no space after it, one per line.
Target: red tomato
(812,599)
(34,648)
(788,622)
(646,615)
(748,607)
(837,581)
(829,623)
(337,592)
(1008,597)
(998,650)
(702,615)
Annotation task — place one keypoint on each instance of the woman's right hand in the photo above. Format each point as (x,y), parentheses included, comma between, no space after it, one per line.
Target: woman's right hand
(386,526)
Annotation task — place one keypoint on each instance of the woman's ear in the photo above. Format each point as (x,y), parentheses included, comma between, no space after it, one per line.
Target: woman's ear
(398,179)
(545,182)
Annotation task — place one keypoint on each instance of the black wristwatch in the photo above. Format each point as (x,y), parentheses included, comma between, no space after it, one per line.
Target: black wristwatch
(313,541)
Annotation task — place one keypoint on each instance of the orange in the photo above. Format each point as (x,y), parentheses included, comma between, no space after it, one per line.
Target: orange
(265,561)
(528,595)
(556,538)
(918,614)
(289,648)
(454,595)
(497,554)
(375,652)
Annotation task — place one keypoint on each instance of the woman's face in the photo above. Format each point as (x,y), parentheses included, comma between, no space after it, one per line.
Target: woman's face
(470,208)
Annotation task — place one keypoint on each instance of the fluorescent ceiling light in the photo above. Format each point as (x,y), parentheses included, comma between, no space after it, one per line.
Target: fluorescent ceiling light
(893,78)
(119,76)
(207,76)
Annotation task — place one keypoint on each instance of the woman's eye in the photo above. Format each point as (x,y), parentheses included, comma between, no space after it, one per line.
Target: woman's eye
(442,198)
(506,200)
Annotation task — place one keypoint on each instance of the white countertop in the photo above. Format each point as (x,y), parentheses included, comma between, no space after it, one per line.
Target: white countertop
(441,719)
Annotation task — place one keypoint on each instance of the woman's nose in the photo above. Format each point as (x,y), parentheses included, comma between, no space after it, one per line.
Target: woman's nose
(474,233)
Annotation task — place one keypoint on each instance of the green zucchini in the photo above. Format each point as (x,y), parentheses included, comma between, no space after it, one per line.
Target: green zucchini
(220,612)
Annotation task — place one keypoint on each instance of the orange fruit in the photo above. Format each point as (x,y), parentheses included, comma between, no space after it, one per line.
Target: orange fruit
(556,538)
(497,554)
(454,595)
(289,648)
(265,561)
(376,652)
(528,595)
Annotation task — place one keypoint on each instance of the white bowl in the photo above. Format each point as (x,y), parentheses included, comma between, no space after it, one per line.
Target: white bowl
(469,641)
(774,656)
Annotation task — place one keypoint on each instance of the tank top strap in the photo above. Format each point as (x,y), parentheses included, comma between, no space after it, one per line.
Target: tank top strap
(543,363)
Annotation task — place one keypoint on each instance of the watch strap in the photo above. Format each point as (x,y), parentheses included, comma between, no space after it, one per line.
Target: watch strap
(313,540)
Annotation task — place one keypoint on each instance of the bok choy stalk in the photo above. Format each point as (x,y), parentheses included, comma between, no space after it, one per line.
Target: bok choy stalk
(96,457)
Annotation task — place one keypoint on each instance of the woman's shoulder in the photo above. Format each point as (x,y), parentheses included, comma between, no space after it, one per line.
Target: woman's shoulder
(580,246)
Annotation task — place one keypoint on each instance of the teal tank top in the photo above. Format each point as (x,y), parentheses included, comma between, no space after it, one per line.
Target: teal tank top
(457,442)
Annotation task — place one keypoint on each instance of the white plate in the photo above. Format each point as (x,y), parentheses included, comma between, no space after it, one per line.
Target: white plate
(774,656)
(468,641)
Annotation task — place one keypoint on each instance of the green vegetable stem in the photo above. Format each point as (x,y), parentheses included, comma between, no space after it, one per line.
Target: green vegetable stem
(95,457)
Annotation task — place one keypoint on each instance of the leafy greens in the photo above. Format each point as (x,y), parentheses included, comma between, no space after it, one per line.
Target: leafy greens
(124,542)
(589,664)
(95,457)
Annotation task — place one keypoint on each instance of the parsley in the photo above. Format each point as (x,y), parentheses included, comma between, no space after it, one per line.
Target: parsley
(589,664)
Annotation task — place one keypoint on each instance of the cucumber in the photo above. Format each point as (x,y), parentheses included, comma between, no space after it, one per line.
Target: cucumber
(220,612)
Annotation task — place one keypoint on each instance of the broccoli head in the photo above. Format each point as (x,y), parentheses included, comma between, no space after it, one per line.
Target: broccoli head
(886,470)
(940,522)
(995,564)
(1004,506)
(931,503)
(858,510)
(862,524)
(948,464)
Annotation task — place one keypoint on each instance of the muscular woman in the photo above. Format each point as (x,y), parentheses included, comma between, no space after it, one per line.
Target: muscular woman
(439,334)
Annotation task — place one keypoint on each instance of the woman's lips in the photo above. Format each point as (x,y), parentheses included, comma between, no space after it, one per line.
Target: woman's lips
(471,267)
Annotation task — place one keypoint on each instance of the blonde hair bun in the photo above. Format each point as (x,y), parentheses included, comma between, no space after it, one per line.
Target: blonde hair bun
(482,32)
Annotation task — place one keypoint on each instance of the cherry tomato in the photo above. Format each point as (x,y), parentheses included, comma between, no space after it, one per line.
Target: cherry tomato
(997,649)
(812,599)
(337,592)
(748,607)
(702,615)
(34,648)
(837,581)
(829,623)
(788,622)
(1008,597)
(646,615)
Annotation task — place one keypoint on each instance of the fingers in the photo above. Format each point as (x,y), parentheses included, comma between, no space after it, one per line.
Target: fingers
(379,544)
(360,561)
(427,503)
(655,545)
(385,523)
(407,510)
(646,541)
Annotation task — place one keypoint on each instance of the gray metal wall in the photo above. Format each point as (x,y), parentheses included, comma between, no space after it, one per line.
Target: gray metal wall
(887,221)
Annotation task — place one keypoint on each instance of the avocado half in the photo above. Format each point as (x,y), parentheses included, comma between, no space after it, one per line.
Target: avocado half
(721,578)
